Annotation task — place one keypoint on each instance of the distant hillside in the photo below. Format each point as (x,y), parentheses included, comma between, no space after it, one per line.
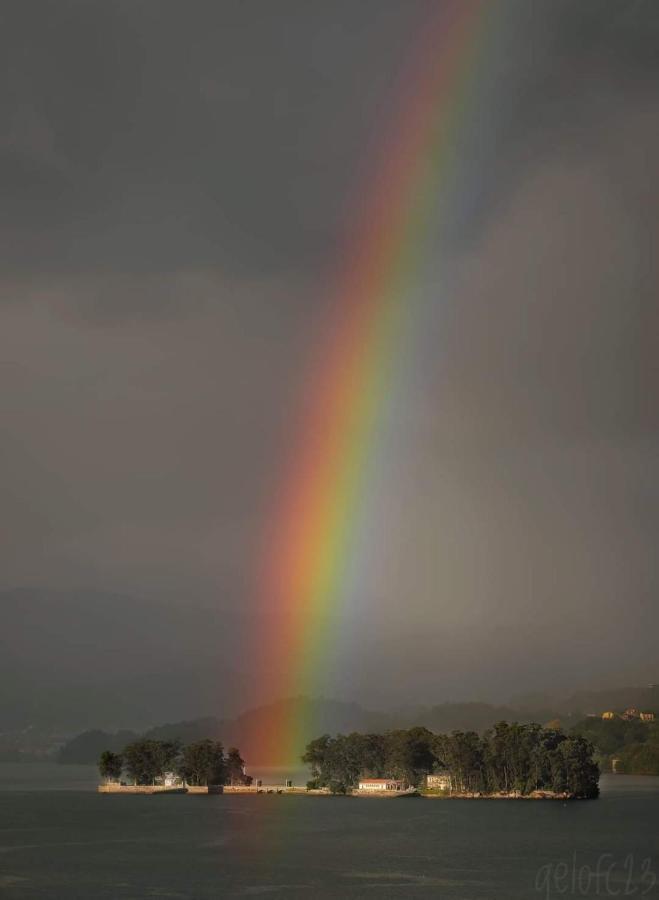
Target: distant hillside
(334,717)
(644,697)
(244,731)
(88,746)
(322,716)
(473,716)
(634,744)
(84,660)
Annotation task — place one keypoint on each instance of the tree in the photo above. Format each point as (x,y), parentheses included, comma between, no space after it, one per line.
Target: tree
(147,760)
(316,756)
(339,762)
(337,787)
(110,765)
(203,763)
(574,769)
(462,755)
(374,754)
(540,762)
(410,754)
(639,759)
(510,758)
(612,738)
(235,767)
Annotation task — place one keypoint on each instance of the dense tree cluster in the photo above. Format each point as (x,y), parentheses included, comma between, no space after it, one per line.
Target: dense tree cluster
(634,744)
(639,759)
(202,762)
(338,763)
(510,758)
(148,761)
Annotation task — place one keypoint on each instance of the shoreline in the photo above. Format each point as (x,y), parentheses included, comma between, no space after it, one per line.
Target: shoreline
(147,790)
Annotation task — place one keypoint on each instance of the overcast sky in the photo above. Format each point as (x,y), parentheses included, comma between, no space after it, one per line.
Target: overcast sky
(177,180)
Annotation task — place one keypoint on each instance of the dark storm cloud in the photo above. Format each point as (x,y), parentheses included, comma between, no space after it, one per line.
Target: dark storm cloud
(144,136)
(148,135)
(177,184)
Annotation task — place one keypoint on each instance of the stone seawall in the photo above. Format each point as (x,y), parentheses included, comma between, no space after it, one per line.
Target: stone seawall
(140,789)
(206,789)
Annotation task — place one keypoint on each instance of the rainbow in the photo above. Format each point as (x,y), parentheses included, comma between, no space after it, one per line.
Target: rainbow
(319,497)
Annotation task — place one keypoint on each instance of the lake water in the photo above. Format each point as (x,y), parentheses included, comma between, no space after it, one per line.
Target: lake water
(59,839)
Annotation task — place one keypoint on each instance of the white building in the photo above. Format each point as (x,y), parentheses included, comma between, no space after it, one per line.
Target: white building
(440,781)
(170,779)
(380,784)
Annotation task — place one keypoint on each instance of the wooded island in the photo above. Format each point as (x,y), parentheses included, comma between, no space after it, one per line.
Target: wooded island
(509,759)
(149,762)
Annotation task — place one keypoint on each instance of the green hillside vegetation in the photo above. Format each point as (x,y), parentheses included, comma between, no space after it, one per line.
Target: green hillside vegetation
(633,743)
(509,759)
(639,759)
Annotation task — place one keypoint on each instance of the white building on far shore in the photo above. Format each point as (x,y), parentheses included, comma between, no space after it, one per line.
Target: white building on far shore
(380,784)
(440,781)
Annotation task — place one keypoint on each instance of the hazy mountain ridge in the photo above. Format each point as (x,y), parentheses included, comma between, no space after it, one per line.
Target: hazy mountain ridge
(333,716)
(85,660)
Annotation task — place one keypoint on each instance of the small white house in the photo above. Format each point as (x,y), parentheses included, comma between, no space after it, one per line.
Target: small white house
(440,781)
(171,779)
(380,784)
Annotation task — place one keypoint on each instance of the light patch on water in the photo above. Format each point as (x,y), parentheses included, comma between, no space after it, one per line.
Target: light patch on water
(272,888)
(405,879)
(218,842)
(7,881)
(10,848)
(164,892)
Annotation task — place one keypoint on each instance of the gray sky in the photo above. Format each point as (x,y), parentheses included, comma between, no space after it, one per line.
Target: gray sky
(177,180)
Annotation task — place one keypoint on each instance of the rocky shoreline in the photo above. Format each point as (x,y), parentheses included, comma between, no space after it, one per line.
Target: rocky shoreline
(500,795)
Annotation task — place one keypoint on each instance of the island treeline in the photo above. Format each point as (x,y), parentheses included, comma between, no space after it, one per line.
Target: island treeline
(507,759)
(148,762)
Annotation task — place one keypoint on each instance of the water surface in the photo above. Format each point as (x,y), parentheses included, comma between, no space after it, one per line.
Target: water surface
(74,843)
